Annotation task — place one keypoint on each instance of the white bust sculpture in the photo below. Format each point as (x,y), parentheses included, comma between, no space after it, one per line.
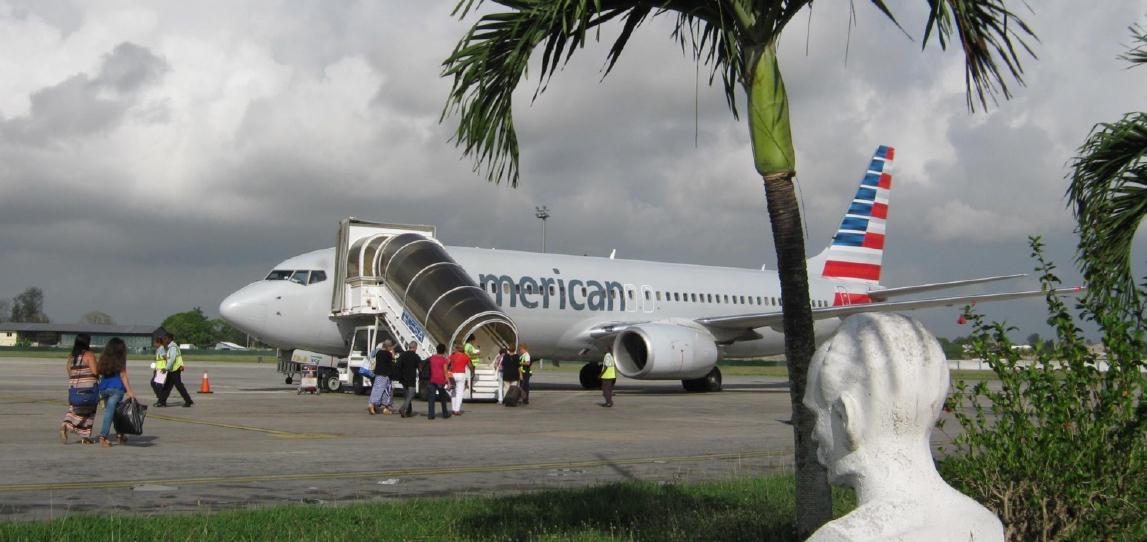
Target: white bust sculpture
(877,389)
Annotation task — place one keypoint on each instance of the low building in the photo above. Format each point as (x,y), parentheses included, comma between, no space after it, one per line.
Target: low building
(138,338)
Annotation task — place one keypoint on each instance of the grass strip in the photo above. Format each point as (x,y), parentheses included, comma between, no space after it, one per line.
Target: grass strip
(750,510)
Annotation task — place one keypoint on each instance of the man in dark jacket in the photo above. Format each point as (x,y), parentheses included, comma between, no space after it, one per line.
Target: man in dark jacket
(406,372)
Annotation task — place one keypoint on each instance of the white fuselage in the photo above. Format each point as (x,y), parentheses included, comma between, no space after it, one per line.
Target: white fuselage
(555,300)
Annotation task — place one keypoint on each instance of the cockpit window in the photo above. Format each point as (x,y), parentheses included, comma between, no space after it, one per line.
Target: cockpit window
(279,274)
(300,277)
(318,276)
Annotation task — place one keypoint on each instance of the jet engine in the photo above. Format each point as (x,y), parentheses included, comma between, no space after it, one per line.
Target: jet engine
(665,351)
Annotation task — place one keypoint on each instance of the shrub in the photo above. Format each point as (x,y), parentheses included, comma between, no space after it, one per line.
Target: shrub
(1057,447)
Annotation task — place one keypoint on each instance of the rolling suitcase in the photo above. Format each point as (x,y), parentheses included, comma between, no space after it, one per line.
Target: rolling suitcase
(513,396)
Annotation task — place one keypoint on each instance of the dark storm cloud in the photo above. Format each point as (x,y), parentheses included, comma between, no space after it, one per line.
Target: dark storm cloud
(82,104)
(277,121)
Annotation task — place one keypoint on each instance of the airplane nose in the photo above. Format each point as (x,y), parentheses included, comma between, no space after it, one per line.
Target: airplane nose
(245,310)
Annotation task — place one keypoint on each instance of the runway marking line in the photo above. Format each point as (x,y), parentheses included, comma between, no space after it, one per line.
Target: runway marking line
(273,432)
(426,471)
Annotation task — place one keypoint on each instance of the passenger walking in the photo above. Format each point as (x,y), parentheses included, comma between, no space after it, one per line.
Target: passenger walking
(525,362)
(406,372)
(511,373)
(608,378)
(81,376)
(114,385)
(381,394)
(174,366)
(498,369)
(459,364)
(437,365)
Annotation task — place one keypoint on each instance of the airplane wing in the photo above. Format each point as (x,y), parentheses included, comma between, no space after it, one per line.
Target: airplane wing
(775,319)
(883,295)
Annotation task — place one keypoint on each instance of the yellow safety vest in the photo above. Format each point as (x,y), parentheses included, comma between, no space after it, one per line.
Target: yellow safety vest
(608,371)
(471,352)
(160,359)
(178,359)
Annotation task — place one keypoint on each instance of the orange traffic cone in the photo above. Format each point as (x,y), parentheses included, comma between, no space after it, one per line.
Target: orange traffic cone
(206,386)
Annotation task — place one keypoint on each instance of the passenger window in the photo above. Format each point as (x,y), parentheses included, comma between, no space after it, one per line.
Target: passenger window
(300,277)
(759,300)
(726,299)
(505,288)
(552,292)
(647,295)
(318,276)
(709,297)
(517,288)
(659,296)
(676,296)
(693,297)
(773,301)
(279,274)
(631,295)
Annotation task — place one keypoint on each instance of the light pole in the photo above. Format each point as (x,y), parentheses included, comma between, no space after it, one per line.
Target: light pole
(543,213)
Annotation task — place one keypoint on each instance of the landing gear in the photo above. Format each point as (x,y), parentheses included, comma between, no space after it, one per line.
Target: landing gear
(330,382)
(590,376)
(709,382)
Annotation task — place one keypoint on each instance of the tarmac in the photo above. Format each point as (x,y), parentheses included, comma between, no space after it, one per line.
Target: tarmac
(256,442)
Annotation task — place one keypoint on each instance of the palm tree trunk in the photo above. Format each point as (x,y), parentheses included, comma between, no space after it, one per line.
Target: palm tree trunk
(775,160)
(814,496)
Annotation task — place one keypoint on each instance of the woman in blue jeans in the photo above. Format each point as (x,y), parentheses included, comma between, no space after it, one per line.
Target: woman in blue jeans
(112,368)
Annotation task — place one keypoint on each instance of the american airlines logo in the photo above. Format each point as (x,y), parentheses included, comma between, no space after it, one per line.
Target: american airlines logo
(414,326)
(577,294)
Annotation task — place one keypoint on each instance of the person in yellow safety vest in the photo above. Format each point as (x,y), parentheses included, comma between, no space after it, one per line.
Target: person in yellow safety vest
(174,365)
(471,350)
(608,378)
(159,365)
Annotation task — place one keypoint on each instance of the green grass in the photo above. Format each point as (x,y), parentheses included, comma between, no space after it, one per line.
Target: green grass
(749,510)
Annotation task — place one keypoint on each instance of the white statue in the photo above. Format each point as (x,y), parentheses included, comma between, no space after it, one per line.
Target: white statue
(877,389)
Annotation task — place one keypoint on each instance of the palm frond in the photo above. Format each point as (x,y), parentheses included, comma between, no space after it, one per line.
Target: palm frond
(1109,192)
(992,37)
(1138,54)
(492,58)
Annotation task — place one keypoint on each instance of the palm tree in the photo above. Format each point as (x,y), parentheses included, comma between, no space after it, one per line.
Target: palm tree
(1109,192)
(738,40)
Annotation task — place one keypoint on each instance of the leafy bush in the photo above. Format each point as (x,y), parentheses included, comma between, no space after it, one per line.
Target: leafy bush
(1057,448)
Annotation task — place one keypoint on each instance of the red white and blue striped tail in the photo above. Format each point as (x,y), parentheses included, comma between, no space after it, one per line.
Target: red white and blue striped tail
(857,249)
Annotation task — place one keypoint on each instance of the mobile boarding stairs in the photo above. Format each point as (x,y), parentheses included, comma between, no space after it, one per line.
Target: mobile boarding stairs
(398,282)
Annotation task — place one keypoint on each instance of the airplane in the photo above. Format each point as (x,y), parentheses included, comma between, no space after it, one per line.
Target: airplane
(661,321)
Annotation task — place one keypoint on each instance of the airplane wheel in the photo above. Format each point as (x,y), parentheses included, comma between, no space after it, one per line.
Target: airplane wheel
(709,382)
(590,376)
(713,380)
(333,384)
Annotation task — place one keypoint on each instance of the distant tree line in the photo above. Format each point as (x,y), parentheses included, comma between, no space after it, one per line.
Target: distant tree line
(26,307)
(195,328)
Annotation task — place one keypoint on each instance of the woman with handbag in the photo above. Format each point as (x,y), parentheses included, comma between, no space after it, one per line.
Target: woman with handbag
(83,395)
(112,368)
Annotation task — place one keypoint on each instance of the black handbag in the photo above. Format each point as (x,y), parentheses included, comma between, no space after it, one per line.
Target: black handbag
(84,397)
(129,415)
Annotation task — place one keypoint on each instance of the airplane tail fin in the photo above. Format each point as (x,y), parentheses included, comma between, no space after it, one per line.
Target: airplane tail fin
(857,248)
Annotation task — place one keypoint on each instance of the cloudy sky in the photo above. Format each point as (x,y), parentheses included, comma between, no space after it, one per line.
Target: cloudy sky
(155,156)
